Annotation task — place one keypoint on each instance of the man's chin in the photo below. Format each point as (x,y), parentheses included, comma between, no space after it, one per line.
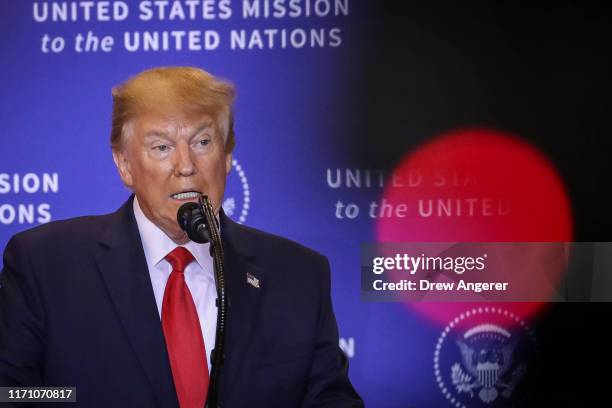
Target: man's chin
(174,231)
(179,239)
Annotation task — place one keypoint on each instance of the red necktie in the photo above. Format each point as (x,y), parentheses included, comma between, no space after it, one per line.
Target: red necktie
(184,335)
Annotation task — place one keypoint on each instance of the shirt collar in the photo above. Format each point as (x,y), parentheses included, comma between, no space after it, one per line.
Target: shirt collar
(157,244)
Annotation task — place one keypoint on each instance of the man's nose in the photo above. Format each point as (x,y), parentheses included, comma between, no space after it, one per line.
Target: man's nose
(183,160)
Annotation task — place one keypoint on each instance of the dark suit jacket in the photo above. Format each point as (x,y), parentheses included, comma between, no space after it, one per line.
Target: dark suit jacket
(77,309)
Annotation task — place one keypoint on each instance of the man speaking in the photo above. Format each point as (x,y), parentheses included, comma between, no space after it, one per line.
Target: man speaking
(122,306)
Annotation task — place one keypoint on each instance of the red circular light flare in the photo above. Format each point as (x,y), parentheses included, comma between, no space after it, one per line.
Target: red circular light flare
(477,185)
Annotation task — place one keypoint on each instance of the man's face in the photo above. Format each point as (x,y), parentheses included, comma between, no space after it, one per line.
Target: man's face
(167,160)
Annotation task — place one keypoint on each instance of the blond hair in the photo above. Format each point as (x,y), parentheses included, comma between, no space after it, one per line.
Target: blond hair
(188,90)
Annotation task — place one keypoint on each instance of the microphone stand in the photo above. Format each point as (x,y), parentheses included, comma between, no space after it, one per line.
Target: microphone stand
(216,251)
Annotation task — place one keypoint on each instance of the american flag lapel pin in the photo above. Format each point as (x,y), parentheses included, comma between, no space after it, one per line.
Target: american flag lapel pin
(252,280)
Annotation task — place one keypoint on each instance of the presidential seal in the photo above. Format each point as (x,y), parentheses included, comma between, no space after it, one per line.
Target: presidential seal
(482,357)
(237,199)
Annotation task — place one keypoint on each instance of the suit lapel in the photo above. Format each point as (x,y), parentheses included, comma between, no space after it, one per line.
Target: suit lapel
(124,270)
(244,299)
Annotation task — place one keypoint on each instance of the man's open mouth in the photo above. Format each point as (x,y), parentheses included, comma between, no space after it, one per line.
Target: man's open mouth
(186,195)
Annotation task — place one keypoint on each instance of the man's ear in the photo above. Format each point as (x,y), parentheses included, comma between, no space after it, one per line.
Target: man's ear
(123,166)
(228,163)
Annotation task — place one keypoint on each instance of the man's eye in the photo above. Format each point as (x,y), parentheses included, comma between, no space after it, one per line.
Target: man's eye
(203,142)
(161,148)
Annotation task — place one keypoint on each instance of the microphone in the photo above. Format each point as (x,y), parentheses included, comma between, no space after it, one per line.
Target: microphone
(192,221)
(201,225)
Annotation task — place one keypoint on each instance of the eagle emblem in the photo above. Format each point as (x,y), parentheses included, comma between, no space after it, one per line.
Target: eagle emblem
(487,355)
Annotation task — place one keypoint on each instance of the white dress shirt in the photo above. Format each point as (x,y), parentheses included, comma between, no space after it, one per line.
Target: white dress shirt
(199,275)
